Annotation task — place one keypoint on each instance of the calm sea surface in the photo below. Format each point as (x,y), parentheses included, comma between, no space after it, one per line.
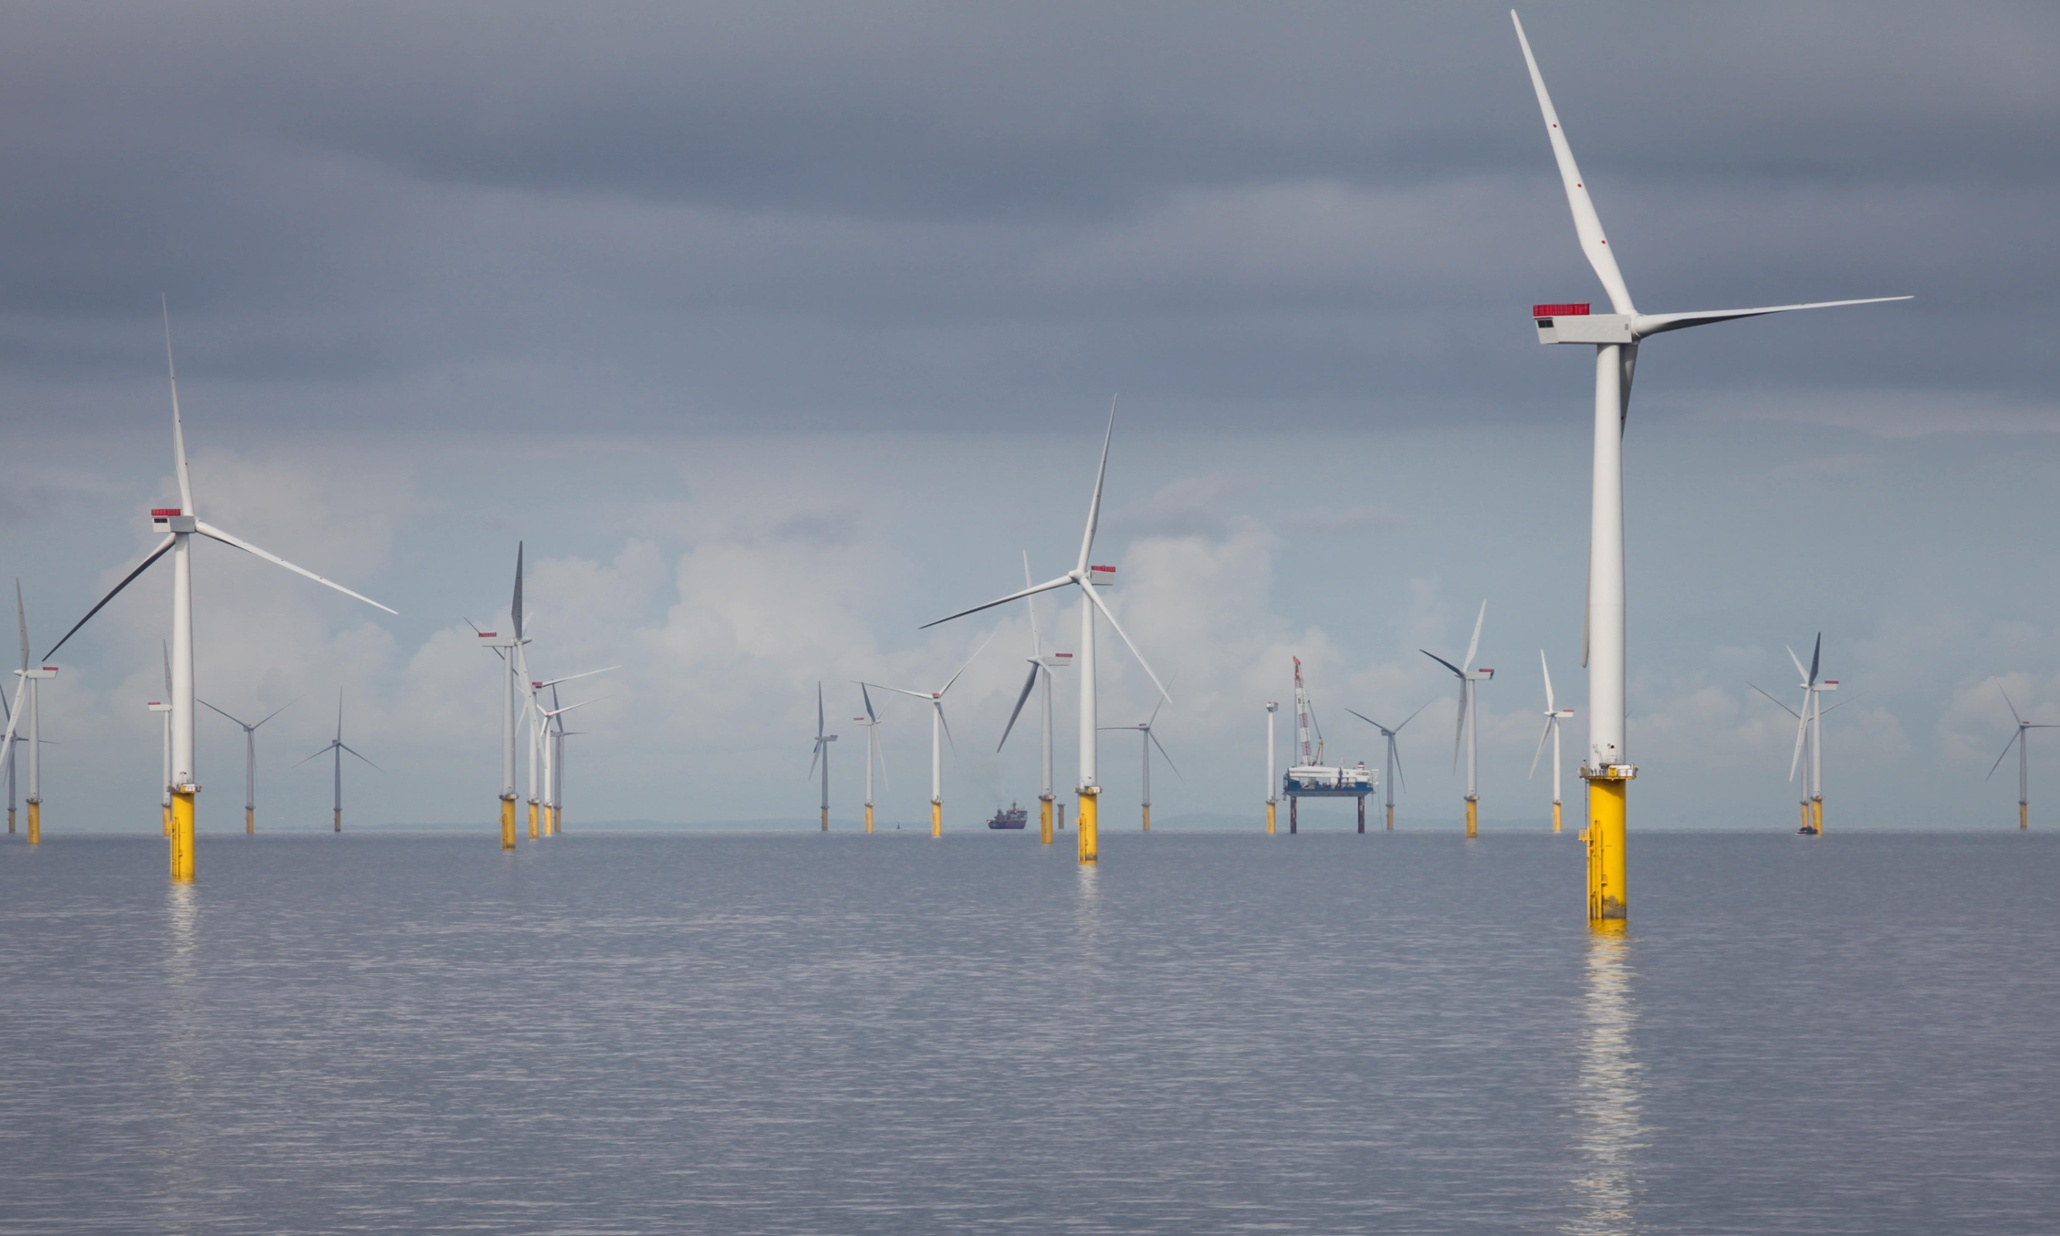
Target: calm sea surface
(843,1034)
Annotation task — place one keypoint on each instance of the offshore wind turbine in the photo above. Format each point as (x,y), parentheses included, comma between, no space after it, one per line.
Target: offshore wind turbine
(505,647)
(1615,337)
(939,731)
(7,749)
(2023,761)
(554,751)
(1553,716)
(1393,772)
(1272,779)
(1467,734)
(1041,666)
(336,748)
(250,758)
(822,753)
(180,525)
(28,697)
(873,751)
(1149,740)
(540,740)
(1809,736)
(1087,578)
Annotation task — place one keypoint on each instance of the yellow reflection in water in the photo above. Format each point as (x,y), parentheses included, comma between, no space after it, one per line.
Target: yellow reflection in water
(1607,1099)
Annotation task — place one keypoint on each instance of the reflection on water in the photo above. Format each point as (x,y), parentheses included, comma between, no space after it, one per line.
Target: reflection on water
(180,1161)
(1608,1100)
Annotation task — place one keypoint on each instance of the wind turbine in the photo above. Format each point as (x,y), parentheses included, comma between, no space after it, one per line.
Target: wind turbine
(873,750)
(939,730)
(1809,735)
(554,753)
(1394,760)
(2023,761)
(180,524)
(336,748)
(504,647)
(28,696)
(540,746)
(250,758)
(8,749)
(1086,578)
(1467,734)
(1148,741)
(1041,667)
(1272,780)
(822,753)
(1615,337)
(1553,716)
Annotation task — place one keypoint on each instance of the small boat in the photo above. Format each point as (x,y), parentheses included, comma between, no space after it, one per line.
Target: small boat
(1013,817)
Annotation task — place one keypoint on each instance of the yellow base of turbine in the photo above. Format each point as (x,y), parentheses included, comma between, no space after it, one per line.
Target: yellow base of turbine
(869,817)
(508,823)
(2023,817)
(1090,835)
(182,833)
(35,821)
(249,821)
(1607,892)
(936,818)
(1148,817)
(1555,816)
(1473,818)
(1817,815)
(1270,826)
(1391,817)
(1044,819)
(337,822)
(532,820)
(826,819)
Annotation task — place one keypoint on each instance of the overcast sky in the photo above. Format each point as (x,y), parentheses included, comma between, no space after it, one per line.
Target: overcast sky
(777,330)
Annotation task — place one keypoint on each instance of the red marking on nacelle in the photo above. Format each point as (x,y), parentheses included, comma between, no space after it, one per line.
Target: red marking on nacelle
(50,669)
(1063,656)
(488,634)
(1559,311)
(1111,570)
(539,686)
(165,512)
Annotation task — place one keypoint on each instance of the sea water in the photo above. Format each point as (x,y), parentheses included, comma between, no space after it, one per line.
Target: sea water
(1208,1033)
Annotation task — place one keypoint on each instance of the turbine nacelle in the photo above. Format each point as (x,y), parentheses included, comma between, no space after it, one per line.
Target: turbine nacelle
(171,519)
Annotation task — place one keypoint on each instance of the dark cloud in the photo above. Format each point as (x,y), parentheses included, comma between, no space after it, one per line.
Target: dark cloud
(763,215)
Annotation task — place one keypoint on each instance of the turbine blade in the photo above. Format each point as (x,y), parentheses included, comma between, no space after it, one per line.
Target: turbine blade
(1473,645)
(1419,708)
(21,612)
(1028,684)
(2014,738)
(1395,749)
(1800,672)
(1658,323)
(275,712)
(1442,661)
(945,725)
(178,423)
(1548,679)
(515,606)
(1459,728)
(866,695)
(138,569)
(1816,658)
(1369,720)
(819,712)
(1587,224)
(569,677)
(13,716)
(1802,730)
(969,662)
(204,704)
(1036,640)
(1060,582)
(1541,748)
(1094,507)
(921,695)
(1142,663)
(1777,703)
(346,748)
(814,755)
(319,754)
(1162,754)
(209,530)
(2010,703)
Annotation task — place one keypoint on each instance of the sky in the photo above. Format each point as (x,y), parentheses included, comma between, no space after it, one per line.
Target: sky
(774,331)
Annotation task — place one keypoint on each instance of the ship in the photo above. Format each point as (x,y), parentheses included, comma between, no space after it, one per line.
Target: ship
(1012,817)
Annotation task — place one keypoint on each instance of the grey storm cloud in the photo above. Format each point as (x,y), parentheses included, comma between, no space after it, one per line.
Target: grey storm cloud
(764,215)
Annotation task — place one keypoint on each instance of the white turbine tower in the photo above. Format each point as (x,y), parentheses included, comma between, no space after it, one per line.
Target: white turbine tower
(1149,740)
(337,747)
(1466,735)
(554,753)
(505,647)
(1553,716)
(822,753)
(1086,578)
(28,697)
(1393,771)
(1041,666)
(939,732)
(2023,761)
(1615,337)
(180,525)
(250,729)
(1272,778)
(873,751)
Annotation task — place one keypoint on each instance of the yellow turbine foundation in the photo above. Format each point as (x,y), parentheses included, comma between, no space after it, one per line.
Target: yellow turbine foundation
(35,821)
(869,817)
(532,819)
(1817,814)
(182,833)
(1555,817)
(1806,815)
(1044,819)
(337,822)
(1270,827)
(1391,817)
(1607,894)
(249,821)
(1090,837)
(508,822)
(2023,817)
(1473,818)
(826,819)
(1147,819)
(936,818)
